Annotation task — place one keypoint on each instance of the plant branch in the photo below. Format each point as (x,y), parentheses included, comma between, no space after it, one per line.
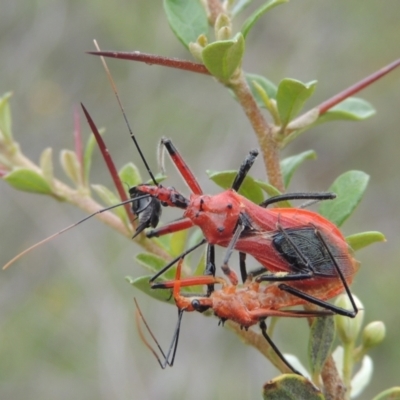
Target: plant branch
(152,59)
(262,129)
(350,91)
(82,200)
(334,388)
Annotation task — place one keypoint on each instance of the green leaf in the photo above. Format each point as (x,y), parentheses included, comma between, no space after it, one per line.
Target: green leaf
(269,88)
(272,191)
(143,284)
(201,265)
(349,188)
(71,166)
(130,175)
(5,117)
(322,334)
(364,239)
(389,394)
(291,387)
(46,165)
(222,58)
(110,199)
(28,181)
(290,164)
(187,19)
(249,23)
(351,109)
(154,263)
(291,96)
(249,189)
(159,178)
(177,243)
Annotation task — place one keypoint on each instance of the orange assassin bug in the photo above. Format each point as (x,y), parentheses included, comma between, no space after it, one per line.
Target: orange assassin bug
(293,244)
(247,305)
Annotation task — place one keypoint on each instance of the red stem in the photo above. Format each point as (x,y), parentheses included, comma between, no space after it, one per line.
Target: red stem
(328,104)
(152,59)
(109,162)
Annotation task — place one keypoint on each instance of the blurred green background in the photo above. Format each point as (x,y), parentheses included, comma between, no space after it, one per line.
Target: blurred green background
(67,326)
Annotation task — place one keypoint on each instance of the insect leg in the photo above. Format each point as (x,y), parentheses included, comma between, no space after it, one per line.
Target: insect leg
(210,266)
(263,327)
(175,226)
(340,274)
(231,246)
(182,167)
(176,259)
(309,271)
(318,302)
(298,196)
(244,169)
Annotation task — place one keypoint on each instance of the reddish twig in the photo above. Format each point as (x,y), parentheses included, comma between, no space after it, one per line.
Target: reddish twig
(109,162)
(328,104)
(152,59)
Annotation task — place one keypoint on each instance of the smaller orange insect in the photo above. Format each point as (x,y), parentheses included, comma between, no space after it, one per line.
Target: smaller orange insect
(247,305)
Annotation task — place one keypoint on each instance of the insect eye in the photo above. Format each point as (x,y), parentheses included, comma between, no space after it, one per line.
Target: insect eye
(196,305)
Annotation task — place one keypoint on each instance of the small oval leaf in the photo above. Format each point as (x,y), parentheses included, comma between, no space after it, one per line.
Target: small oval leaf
(142,283)
(159,178)
(46,165)
(130,175)
(322,334)
(187,19)
(154,263)
(28,181)
(249,189)
(291,96)
(249,23)
(269,87)
(177,243)
(290,387)
(364,239)
(351,109)
(290,164)
(71,166)
(272,191)
(349,188)
(222,58)
(110,199)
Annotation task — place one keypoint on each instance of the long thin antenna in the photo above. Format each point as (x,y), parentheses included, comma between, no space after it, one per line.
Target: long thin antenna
(114,88)
(17,257)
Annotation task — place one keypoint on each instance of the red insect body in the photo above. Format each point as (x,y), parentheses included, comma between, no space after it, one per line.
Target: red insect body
(218,215)
(246,305)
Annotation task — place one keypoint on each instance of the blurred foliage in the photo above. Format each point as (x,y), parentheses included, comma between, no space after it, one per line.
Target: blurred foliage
(67,329)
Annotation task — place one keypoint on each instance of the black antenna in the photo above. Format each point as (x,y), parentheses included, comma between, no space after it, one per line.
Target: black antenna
(18,256)
(114,88)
